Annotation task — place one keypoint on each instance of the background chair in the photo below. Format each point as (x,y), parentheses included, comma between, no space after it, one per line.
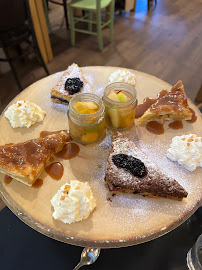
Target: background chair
(16,27)
(64,4)
(91,7)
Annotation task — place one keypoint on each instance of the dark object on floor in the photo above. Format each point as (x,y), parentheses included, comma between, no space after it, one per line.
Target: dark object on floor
(64,4)
(150,3)
(119,5)
(16,27)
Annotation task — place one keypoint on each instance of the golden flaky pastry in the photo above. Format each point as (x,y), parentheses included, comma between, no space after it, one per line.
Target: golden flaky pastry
(25,161)
(170,105)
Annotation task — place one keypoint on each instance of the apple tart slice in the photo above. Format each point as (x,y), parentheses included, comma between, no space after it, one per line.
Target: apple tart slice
(170,105)
(25,161)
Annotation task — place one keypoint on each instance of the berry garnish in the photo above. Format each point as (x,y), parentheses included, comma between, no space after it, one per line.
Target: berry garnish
(73,85)
(134,165)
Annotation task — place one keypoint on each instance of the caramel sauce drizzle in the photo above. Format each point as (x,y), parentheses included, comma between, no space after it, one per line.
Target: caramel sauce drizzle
(70,150)
(176,124)
(194,117)
(38,183)
(7,179)
(155,127)
(55,170)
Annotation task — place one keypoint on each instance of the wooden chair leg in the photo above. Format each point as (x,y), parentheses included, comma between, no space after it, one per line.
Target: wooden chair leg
(148,5)
(38,52)
(90,17)
(71,20)
(12,67)
(99,32)
(111,26)
(42,61)
(45,6)
(65,12)
(135,2)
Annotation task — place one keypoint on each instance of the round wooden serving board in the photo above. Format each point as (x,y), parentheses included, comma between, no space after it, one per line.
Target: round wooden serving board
(125,219)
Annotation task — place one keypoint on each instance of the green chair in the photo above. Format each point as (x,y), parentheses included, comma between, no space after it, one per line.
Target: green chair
(89,7)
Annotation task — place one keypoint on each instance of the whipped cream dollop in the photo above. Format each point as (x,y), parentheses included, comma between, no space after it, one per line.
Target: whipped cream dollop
(186,150)
(73,202)
(24,114)
(122,75)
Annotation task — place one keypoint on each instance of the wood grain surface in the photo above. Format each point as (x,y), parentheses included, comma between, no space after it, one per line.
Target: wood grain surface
(125,219)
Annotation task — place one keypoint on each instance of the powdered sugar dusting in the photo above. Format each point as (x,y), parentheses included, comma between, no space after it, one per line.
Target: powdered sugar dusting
(156,181)
(59,107)
(100,91)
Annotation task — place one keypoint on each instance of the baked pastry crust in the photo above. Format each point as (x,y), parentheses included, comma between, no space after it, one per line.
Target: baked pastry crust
(25,161)
(58,92)
(172,105)
(154,183)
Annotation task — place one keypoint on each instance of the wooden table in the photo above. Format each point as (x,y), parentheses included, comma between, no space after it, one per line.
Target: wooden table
(127,219)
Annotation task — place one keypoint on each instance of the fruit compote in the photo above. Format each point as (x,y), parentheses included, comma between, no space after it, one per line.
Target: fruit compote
(86,118)
(120,103)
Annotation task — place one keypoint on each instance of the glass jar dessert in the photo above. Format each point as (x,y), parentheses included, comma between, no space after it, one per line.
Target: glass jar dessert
(86,118)
(120,102)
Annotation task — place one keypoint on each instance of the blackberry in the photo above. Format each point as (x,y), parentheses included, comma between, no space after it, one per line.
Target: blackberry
(129,163)
(73,85)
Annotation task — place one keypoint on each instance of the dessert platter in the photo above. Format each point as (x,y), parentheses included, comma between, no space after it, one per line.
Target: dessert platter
(106,188)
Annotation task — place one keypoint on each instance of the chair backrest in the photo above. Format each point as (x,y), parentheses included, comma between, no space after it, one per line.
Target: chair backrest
(12,14)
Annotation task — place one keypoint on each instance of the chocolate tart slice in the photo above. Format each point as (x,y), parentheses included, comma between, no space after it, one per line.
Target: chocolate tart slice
(62,92)
(171,105)
(130,170)
(26,161)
